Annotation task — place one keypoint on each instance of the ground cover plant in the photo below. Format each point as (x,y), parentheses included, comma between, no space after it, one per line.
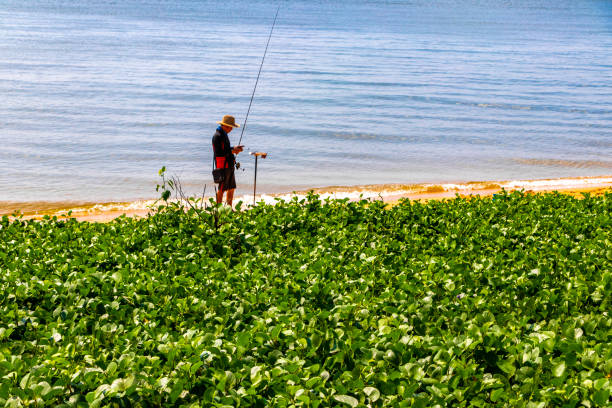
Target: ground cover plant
(464,302)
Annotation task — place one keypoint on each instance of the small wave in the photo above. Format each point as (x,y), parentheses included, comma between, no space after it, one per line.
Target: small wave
(77,208)
(577,164)
(38,207)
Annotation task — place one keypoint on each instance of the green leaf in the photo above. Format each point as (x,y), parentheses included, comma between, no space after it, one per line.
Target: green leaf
(600,383)
(121,384)
(243,339)
(111,368)
(602,397)
(256,375)
(549,344)
(13,402)
(372,393)
(347,399)
(195,367)
(312,382)
(507,366)
(90,397)
(559,369)
(176,391)
(496,394)
(42,388)
(578,332)
(24,381)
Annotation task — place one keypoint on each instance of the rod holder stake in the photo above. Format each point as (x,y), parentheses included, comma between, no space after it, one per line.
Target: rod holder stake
(257,155)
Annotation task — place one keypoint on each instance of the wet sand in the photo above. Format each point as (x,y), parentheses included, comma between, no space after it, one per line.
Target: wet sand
(390,193)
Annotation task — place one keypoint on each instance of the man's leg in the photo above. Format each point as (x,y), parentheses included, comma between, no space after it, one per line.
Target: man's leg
(220,193)
(230,196)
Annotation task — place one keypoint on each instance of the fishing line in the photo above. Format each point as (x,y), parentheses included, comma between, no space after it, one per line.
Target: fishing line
(258,74)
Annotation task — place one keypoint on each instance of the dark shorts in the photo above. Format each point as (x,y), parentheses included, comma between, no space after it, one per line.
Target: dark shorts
(229,181)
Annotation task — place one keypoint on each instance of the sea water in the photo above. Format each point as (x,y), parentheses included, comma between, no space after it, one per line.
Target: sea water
(97,96)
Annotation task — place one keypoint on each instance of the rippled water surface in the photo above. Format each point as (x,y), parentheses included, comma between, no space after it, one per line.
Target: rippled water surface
(97,96)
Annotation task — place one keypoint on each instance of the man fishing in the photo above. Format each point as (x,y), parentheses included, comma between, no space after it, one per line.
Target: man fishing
(224,158)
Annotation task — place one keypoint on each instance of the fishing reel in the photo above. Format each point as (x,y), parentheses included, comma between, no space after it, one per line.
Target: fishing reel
(237,163)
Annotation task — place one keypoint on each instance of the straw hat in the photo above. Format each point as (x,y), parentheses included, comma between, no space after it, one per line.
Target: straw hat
(229,120)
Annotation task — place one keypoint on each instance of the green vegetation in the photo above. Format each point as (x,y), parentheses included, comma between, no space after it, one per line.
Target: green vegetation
(466,302)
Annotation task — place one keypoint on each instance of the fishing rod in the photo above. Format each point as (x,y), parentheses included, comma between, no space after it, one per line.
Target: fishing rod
(257,154)
(258,74)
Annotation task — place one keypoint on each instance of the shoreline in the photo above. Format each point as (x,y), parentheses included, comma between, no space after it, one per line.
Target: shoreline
(390,193)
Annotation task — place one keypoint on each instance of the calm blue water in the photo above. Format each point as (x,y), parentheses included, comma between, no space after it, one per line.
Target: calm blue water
(95,96)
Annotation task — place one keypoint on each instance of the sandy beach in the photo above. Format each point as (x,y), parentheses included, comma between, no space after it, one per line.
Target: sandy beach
(390,193)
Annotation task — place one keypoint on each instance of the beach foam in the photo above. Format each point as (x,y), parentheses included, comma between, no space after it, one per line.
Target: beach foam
(385,192)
